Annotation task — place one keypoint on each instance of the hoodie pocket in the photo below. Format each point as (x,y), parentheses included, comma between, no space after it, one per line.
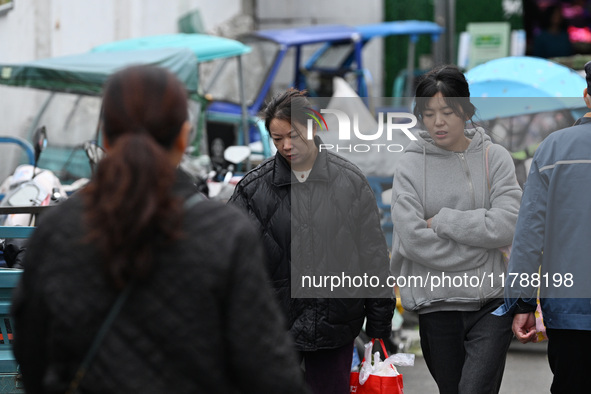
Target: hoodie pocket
(429,287)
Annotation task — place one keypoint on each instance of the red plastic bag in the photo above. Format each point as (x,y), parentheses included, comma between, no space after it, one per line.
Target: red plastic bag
(376,384)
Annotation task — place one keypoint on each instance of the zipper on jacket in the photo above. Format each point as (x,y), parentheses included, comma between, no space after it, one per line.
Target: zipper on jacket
(480,293)
(469,178)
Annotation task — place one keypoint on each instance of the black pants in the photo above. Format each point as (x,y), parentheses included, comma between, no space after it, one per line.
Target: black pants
(466,351)
(328,371)
(569,355)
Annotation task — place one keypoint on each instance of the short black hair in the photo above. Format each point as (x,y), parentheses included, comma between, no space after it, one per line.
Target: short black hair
(290,105)
(453,86)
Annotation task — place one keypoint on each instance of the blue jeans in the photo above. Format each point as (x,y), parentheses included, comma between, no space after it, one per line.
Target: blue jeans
(466,351)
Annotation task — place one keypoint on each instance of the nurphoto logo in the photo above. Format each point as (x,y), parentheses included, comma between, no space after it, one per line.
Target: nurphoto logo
(392,124)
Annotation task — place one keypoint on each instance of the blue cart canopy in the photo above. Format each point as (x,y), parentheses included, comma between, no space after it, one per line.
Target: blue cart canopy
(411,28)
(309,35)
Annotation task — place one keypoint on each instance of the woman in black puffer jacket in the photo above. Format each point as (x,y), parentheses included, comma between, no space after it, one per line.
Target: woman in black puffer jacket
(320,226)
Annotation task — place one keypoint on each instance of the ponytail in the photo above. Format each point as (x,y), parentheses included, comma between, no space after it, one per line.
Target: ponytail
(129,208)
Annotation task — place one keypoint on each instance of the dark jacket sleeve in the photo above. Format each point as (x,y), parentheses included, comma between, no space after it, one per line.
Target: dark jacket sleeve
(374,253)
(241,200)
(261,352)
(30,316)
(239,197)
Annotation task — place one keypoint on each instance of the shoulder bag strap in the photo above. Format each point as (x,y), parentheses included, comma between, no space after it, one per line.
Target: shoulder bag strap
(115,309)
(193,200)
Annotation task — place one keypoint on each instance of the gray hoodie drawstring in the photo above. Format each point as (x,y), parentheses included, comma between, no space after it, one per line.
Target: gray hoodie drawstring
(485,185)
(424,177)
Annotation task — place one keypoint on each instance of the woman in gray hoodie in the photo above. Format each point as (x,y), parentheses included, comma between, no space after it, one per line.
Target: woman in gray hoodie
(454,204)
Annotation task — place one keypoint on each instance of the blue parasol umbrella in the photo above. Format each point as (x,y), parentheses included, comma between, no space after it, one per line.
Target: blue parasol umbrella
(546,85)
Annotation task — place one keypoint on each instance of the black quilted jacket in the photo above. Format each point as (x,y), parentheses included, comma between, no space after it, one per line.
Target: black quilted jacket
(204,322)
(325,226)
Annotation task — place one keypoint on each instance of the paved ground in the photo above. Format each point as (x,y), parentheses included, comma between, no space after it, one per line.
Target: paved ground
(526,370)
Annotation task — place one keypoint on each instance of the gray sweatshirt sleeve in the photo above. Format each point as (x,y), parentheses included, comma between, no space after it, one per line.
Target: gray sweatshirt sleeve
(486,228)
(419,243)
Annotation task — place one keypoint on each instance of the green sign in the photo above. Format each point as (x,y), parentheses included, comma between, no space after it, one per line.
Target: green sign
(488,41)
(491,41)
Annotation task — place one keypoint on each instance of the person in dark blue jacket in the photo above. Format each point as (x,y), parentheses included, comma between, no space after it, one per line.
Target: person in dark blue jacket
(553,232)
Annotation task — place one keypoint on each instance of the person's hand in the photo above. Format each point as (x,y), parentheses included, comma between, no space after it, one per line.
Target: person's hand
(524,327)
(429,222)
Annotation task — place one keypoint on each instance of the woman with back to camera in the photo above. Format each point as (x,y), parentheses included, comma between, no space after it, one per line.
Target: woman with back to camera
(451,215)
(198,315)
(317,215)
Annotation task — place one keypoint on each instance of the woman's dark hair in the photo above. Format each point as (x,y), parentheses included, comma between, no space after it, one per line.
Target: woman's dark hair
(129,207)
(451,83)
(289,106)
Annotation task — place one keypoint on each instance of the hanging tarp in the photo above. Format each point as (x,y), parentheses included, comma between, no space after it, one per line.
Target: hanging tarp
(86,73)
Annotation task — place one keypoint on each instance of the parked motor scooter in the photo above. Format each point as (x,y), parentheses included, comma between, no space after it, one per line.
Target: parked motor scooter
(24,192)
(222,181)
(215,180)
(30,186)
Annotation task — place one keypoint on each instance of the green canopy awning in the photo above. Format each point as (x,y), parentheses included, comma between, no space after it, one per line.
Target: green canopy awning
(86,73)
(204,46)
